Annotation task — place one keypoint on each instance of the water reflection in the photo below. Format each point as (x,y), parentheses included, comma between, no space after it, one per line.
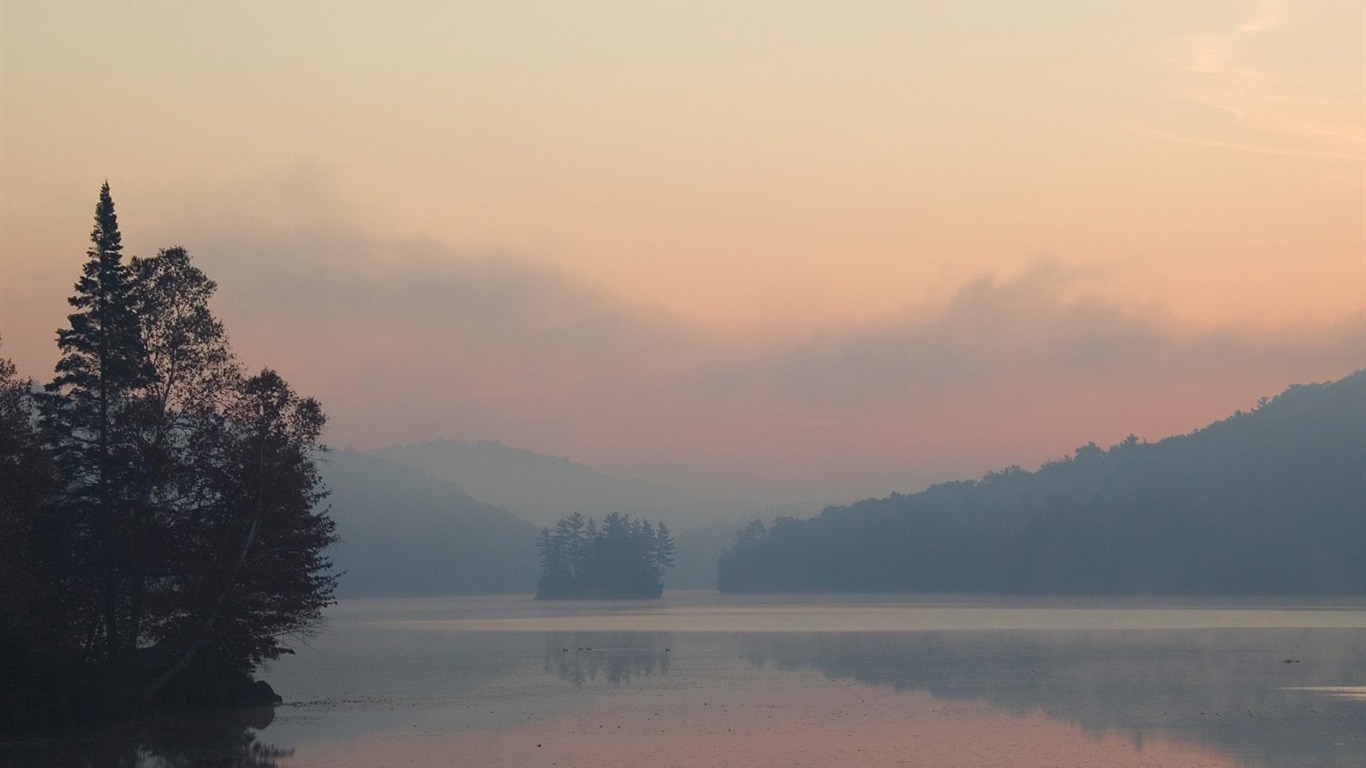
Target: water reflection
(222,740)
(379,688)
(1248,693)
(612,657)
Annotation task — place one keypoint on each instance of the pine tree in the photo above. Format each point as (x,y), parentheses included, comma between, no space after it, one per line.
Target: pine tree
(184,538)
(89,418)
(664,549)
(623,558)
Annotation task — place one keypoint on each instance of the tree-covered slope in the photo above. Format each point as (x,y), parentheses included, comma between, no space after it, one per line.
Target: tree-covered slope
(405,533)
(1270,501)
(541,488)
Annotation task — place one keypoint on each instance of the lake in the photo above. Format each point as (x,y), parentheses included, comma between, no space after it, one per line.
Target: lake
(699,679)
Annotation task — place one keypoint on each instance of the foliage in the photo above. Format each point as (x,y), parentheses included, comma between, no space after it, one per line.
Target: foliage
(251,567)
(162,509)
(1271,501)
(622,558)
(27,479)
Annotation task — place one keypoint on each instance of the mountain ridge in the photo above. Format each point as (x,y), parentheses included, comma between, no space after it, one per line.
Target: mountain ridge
(1272,500)
(542,488)
(405,533)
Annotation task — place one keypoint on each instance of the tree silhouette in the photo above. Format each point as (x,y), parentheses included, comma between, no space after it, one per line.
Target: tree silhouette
(89,420)
(178,532)
(622,558)
(1269,501)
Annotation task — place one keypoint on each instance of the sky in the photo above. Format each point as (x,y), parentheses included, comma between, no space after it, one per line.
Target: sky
(772,251)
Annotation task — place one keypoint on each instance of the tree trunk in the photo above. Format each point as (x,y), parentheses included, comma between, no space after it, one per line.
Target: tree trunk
(206,633)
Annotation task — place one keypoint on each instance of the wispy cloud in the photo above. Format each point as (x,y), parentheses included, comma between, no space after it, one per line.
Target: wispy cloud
(1249,146)
(408,341)
(1271,110)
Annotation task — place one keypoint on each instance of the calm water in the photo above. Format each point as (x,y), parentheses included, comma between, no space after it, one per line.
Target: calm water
(703,680)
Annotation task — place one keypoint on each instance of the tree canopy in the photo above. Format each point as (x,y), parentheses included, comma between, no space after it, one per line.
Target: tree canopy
(1267,501)
(162,518)
(623,557)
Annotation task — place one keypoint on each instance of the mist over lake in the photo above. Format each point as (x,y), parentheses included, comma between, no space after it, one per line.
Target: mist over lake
(699,679)
(621,384)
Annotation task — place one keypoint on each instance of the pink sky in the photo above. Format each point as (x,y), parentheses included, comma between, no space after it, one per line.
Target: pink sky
(824,249)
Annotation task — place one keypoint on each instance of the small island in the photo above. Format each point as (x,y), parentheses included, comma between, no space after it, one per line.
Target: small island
(622,558)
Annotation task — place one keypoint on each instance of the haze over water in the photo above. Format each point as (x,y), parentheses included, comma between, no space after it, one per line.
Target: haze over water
(709,262)
(705,680)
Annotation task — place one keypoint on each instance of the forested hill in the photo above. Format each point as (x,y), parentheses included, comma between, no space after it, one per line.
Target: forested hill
(404,533)
(542,488)
(1269,501)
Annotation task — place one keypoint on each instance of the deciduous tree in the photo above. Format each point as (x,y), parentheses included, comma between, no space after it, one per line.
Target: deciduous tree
(183,525)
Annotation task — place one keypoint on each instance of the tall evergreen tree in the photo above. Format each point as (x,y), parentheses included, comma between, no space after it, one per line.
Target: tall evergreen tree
(89,420)
(575,536)
(664,549)
(161,530)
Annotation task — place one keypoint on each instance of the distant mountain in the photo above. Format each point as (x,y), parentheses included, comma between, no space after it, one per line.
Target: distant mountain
(406,533)
(543,488)
(1271,501)
(700,546)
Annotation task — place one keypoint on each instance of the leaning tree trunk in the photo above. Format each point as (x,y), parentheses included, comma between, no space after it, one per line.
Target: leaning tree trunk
(206,633)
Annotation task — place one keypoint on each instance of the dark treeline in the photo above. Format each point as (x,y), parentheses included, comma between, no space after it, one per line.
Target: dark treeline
(1271,501)
(622,558)
(160,527)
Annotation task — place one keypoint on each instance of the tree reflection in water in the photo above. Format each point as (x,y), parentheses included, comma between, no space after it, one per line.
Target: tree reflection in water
(220,740)
(613,657)
(1240,691)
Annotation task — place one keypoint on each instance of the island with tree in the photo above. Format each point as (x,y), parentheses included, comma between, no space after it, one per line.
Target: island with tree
(161,526)
(622,558)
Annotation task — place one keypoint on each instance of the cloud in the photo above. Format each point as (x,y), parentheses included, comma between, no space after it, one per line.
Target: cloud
(1274,111)
(406,341)
(998,332)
